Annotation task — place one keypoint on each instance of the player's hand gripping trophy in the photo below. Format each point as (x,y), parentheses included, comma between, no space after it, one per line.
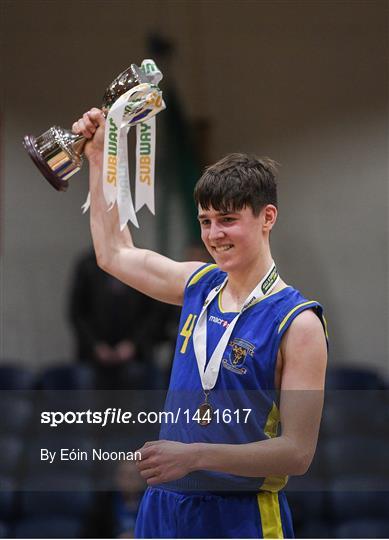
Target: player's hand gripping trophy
(58,152)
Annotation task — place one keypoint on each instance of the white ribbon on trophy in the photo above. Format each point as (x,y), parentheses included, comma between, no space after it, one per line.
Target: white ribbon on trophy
(145,163)
(139,105)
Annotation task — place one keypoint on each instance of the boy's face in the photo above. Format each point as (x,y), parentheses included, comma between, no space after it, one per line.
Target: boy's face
(234,239)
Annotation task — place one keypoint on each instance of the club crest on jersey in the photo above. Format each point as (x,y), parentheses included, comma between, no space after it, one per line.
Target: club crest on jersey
(240,348)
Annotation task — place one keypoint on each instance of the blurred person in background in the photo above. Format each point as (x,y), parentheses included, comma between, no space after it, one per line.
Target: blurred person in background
(126,501)
(116,328)
(114,513)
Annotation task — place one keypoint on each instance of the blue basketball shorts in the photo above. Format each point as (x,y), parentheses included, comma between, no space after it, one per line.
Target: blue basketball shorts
(169,514)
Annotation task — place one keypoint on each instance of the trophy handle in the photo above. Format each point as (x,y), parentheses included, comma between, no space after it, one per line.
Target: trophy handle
(57,154)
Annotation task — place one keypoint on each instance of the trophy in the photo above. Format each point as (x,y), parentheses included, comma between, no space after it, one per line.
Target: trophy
(58,152)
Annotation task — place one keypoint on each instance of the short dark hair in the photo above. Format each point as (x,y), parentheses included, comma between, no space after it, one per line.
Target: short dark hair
(236,181)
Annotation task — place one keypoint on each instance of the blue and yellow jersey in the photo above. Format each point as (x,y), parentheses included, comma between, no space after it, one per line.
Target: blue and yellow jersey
(244,394)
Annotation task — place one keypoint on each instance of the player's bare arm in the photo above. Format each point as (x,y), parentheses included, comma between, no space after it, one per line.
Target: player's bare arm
(304,358)
(144,270)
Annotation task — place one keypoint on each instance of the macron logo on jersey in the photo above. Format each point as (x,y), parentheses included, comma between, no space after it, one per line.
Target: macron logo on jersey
(217,320)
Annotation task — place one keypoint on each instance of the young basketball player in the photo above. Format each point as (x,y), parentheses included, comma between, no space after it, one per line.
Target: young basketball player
(249,367)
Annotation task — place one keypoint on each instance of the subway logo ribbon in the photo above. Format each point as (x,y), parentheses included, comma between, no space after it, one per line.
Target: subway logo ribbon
(145,153)
(112,152)
(145,160)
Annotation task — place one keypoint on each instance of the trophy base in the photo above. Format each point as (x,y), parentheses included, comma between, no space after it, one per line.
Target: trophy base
(51,177)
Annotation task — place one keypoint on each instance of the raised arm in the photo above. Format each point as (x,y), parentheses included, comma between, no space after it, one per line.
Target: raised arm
(144,270)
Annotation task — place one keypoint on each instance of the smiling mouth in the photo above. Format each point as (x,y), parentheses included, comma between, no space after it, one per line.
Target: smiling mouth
(222,249)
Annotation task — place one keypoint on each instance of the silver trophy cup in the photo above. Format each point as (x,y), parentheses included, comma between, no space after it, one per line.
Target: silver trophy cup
(58,152)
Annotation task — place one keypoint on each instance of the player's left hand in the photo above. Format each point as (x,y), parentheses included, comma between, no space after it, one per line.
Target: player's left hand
(164,461)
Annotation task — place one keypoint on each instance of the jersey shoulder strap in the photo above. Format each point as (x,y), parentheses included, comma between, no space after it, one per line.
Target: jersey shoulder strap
(206,273)
(294,304)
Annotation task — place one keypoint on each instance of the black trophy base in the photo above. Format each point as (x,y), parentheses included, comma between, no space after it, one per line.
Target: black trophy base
(51,177)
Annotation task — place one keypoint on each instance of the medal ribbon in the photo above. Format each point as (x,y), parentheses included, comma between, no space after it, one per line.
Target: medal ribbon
(209,374)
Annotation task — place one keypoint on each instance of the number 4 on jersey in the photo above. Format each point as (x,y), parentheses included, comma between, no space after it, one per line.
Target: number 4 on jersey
(187,330)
